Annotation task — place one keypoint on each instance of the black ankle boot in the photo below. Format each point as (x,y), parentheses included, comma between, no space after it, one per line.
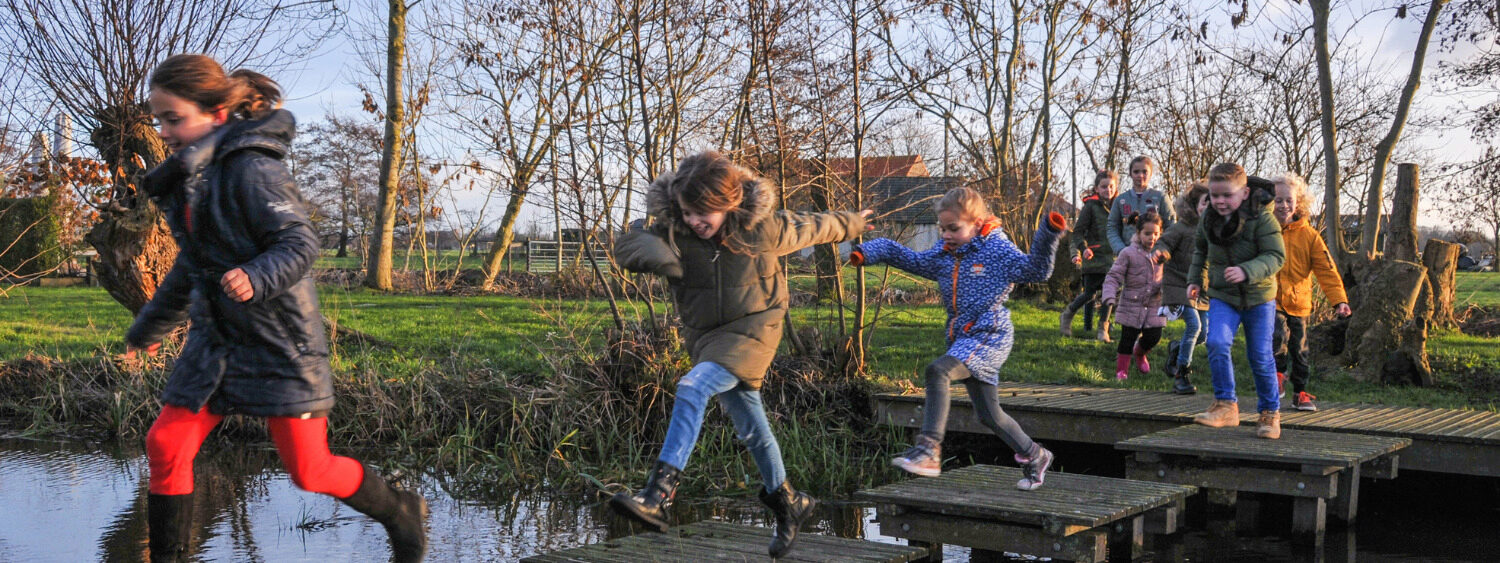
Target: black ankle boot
(791,508)
(171,520)
(402,512)
(649,506)
(1180,383)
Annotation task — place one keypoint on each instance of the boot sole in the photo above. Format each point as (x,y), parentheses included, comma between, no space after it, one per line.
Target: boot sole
(628,508)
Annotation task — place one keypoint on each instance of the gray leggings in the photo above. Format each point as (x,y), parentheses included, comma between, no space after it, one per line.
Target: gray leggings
(945,370)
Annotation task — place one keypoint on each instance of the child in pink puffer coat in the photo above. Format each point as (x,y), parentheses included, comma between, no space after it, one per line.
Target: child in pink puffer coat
(1133,287)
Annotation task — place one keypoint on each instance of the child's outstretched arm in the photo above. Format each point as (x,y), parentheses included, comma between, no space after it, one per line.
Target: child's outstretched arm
(642,250)
(275,216)
(786,232)
(1037,265)
(886,251)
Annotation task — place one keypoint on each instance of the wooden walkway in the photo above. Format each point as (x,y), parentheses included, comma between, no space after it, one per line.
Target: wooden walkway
(1443,440)
(1070,517)
(1316,469)
(708,541)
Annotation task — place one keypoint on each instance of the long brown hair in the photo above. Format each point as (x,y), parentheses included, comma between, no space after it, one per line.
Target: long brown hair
(198,78)
(709,182)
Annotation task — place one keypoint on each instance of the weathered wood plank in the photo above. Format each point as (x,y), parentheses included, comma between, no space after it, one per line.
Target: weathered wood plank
(1305,448)
(718,541)
(1084,546)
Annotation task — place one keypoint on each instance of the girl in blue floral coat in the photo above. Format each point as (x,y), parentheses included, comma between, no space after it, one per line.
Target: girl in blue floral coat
(975,266)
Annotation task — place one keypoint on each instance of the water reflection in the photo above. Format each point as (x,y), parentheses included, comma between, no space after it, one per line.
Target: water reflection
(68,502)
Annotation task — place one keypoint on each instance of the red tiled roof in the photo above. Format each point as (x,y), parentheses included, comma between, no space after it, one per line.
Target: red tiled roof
(904,166)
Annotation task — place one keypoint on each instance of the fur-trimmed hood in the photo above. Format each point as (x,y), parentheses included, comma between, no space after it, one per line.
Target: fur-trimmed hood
(758,203)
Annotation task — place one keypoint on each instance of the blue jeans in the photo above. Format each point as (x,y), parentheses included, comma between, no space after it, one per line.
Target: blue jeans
(706,380)
(1223,321)
(1192,324)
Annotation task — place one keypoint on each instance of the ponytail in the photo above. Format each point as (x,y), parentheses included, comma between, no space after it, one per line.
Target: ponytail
(246,94)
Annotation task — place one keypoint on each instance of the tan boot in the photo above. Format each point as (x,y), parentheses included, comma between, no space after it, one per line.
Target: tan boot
(1220,414)
(1269,426)
(1065,321)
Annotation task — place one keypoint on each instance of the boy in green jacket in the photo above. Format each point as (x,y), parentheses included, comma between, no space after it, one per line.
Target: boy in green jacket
(1238,252)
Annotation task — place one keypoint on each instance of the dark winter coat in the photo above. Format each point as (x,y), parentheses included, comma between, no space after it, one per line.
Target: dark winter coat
(1249,238)
(975,280)
(1177,241)
(231,203)
(730,290)
(1091,232)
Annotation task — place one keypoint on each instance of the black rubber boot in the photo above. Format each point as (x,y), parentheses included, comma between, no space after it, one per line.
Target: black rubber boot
(171,520)
(1172,349)
(649,506)
(1180,383)
(791,508)
(402,512)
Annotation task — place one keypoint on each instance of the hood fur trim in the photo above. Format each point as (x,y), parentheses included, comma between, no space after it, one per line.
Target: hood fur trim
(758,203)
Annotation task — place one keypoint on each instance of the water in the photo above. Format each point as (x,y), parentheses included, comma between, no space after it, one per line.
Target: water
(69,502)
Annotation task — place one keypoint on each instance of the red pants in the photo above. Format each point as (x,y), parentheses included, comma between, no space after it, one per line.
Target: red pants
(177,433)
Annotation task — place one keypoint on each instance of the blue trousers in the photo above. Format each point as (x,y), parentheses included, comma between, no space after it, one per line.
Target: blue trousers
(707,380)
(1192,324)
(1223,321)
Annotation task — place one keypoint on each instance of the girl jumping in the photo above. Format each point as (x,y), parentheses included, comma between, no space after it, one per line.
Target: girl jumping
(975,266)
(716,240)
(256,346)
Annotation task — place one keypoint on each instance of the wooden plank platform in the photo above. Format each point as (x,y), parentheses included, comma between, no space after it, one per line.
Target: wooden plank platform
(1069,518)
(1312,467)
(1454,441)
(720,541)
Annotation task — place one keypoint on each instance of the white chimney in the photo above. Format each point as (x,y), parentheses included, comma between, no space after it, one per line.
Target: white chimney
(63,136)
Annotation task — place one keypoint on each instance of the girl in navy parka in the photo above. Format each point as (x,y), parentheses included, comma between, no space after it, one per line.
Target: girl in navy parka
(975,266)
(256,345)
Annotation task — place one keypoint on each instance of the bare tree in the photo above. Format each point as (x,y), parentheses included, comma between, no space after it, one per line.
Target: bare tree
(339,172)
(93,59)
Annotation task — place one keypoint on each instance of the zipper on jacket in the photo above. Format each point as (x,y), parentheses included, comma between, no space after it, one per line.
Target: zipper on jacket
(719,288)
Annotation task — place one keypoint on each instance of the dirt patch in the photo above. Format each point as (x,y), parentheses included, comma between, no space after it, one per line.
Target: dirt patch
(1480,321)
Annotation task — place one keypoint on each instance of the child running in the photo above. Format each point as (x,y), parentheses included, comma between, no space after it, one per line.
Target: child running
(975,266)
(716,240)
(1093,254)
(1136,279)
(256,345)
(1306,256)
(1177,242)
(1238,252)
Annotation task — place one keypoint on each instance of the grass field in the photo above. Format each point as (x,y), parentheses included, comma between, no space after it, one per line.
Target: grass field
(1481,289)
(522,335)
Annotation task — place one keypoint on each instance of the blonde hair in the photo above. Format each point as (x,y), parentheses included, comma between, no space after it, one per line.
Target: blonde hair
(967,203)
(1228,172)
(1301,198)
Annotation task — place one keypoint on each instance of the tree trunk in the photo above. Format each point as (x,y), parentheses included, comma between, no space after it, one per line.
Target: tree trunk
(1374,335)
(1441,259)
(1332,229)
(378,274)
(507,231)
(826,256)
(1371,233)
(1401,243)
(135,247)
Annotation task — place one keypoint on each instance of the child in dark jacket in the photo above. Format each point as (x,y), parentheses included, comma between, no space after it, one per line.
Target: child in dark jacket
(716,240)
(257,344)
(1093,255)
(1177,242)
(1238,253)
(975,266)
(1134,282)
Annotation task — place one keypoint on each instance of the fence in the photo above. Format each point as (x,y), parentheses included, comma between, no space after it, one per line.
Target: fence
(550,256)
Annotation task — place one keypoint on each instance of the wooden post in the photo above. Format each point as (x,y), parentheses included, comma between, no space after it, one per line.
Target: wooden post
(1401,243)
(1346,505)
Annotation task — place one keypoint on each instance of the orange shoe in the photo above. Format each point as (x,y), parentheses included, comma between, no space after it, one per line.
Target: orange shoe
(1220,414)
(1269,425)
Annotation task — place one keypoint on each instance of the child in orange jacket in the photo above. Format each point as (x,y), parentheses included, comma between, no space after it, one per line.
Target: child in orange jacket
(1306,256)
